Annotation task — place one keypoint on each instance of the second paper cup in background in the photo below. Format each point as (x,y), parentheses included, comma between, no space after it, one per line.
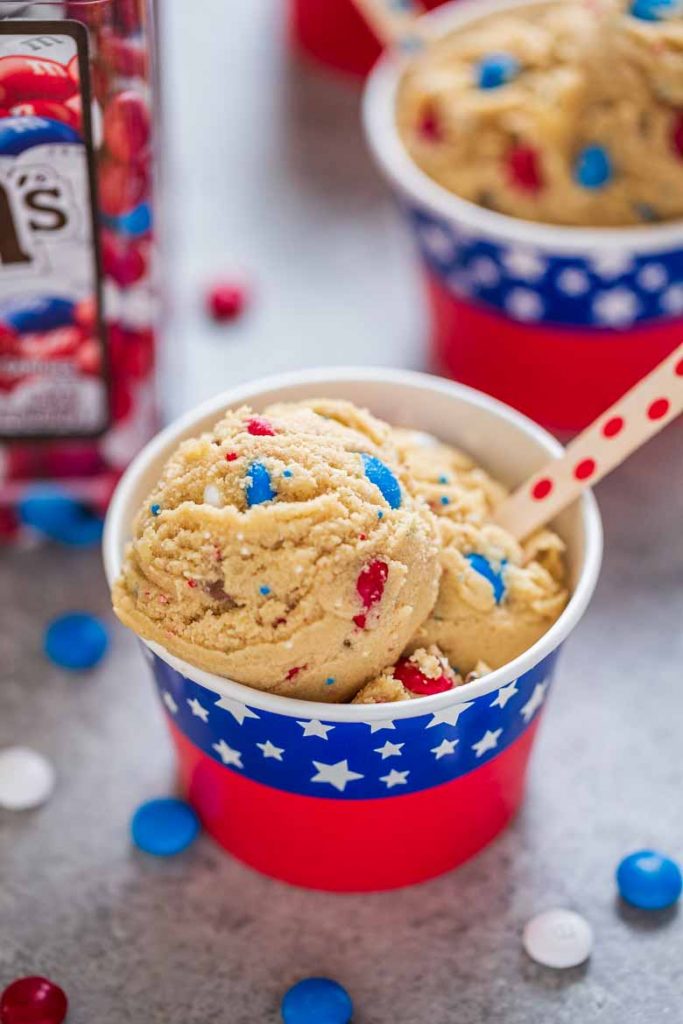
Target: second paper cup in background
(556,321)
(357,797)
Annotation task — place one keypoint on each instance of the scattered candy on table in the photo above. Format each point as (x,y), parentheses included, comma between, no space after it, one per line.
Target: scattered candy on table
(649,880)
(165,826)
(558,938)
(33,1000)
(317,1001)
(59,516)
(27,779)
(226,300)
(76,641)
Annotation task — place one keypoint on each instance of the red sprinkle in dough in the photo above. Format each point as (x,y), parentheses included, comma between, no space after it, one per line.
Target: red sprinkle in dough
(260,427)
(192,583)
(429,126)
(295,671)
(360,620)
(231,456)
(409,674)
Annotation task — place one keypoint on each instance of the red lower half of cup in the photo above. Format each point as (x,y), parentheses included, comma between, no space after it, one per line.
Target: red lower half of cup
(562,377)
(334,33)
(355,845)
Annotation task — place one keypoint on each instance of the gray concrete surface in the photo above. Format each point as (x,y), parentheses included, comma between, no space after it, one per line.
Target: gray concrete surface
(266,169)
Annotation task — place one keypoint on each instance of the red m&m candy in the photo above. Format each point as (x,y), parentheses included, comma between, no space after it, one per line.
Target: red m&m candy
(226,301)
(524,169)
(33,1000)
(122,187)
(126,126)
(28,78)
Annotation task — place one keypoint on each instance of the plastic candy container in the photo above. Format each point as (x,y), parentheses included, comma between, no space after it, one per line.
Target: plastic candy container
(77,303)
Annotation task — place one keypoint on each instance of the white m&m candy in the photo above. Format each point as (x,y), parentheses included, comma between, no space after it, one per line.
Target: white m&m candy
(558,938)
(26,778)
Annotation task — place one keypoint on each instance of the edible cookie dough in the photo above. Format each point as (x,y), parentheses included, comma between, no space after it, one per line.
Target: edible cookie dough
(420,674)
(496,597)
(566,112)
(286,550)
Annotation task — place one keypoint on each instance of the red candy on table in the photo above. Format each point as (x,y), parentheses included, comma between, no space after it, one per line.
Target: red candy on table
(27,78)
(370,587)
(33,1000)
(127,127)
(226,301)
(524,169)
(415,681)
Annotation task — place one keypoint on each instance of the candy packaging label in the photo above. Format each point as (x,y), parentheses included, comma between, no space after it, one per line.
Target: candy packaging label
(49,264)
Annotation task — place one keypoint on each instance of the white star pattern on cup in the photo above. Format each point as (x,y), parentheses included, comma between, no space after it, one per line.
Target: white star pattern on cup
(444,748)
(169,701)
(484,271)
(379,725)
(617,307)
(489,741)
(672,299)
(573,281)
(611,264)
(238,711)
(337,775)
(449,716)
(228,754)
(315,728)
(269,749)
(389,750)
(534,702)
(505,694)
(524,264)
(198,710)
(653,277)
(438,242)
(394,778)
(523,304)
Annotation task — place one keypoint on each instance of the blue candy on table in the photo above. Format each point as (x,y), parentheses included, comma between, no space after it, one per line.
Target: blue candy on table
(38,313)
(593,167)
(259,485)
(76,641)
(382,477)
(164,826)
(317,1001)
(497,69)
(59,516)
(481,564)
(17,134)
(649,880)
(137,221)
(656,10)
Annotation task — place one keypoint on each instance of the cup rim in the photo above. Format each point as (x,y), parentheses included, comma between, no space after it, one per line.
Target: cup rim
(381,132)
(116,533)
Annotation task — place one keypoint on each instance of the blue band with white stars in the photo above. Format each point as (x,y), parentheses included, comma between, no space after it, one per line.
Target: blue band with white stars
(357,760)
(604,289)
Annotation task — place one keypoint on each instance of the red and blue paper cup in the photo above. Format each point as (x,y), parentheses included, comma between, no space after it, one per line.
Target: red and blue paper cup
(351,797)
(556,321)
(335,35)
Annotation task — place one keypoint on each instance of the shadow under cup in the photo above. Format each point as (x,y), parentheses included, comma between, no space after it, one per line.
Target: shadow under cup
(364,797)
(558,322)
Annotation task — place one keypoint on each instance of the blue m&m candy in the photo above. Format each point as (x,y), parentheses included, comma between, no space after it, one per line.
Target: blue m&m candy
(649,880)
(381,476)
(656,10)
(18,134)
(259,486)
(496,69)
(164,827)
(481,564)
(59,516)
(137,222)
(39,313)
(75,641)
(317,1001)
(593,167)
